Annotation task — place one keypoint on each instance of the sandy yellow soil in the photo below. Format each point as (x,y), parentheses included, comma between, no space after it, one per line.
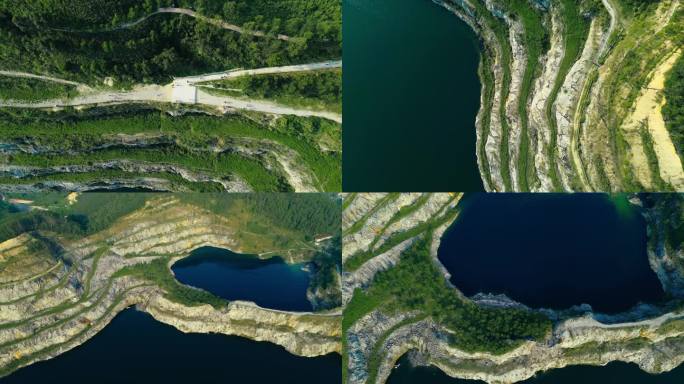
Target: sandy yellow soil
(648,112)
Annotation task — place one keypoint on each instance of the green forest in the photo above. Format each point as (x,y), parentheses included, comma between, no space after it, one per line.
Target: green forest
(320,90)
(311,213)
(315,19)
(308,214)
(25,89)
(92,213)
(89,40)
(416,284)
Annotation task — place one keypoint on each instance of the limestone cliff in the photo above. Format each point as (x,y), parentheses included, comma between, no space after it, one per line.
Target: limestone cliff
(55,306)
(572,94)
(652,336)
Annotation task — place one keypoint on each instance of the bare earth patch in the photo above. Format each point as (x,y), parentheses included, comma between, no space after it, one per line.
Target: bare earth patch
(648,112)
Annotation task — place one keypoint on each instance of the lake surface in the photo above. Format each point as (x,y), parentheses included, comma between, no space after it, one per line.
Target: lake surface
(270,283)
(411,94)
(613,373)
(551,250)
(135,348)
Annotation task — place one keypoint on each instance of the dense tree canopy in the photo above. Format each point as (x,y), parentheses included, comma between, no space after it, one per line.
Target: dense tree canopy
(308,89)
(416,285)
(311,213)
(90,40)
(317,19)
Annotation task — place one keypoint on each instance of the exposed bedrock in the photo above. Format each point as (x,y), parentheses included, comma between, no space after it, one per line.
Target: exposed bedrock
(649,335)
(232,183)
(571,127)
(276,158)
(46,312)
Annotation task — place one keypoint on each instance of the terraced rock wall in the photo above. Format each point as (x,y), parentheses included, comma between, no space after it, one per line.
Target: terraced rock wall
(572,94)
(71,293)
(650,336)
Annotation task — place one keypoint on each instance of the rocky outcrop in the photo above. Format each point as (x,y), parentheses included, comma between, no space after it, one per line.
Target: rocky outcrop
(576,341)
(230,183)
(574,124)
(275,158)
(379,222)
(663,214)
(50,311)
(649,335)
(363,276)
(300,334)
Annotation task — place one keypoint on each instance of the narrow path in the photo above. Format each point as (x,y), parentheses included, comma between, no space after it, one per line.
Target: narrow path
(218,22)
(181,11)
(41,77)
(611,28)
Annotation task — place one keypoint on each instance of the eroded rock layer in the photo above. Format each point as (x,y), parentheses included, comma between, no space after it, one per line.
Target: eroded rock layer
(572,93)
(56,293)
(169,148)
(376,335)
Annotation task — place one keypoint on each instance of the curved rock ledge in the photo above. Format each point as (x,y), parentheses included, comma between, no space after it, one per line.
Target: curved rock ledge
(651,336)
(578,128)
(58,306)
(276,158)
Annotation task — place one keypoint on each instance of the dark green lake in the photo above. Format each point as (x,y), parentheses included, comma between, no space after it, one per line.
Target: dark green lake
(411,94)
(551,250)
(613,373)
(270,283)
(135,348)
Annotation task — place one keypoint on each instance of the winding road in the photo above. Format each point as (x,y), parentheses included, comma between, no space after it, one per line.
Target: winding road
(39,77)
(181,11)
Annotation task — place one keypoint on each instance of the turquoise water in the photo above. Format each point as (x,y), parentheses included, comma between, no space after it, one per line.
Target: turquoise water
(270,283)
(411,94)
(134,348)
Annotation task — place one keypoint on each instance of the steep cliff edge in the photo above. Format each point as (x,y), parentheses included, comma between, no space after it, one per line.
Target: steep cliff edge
(75,287)
(572,93)
(384,321)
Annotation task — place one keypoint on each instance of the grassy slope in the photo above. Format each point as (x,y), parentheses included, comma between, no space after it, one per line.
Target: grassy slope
(26,89)
(639,51)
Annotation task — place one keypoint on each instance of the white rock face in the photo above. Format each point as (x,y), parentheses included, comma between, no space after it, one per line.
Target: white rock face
(360,241)
(651,336)
(379,228)
(543,86)
(363,276)
(45,316)
(596,146)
